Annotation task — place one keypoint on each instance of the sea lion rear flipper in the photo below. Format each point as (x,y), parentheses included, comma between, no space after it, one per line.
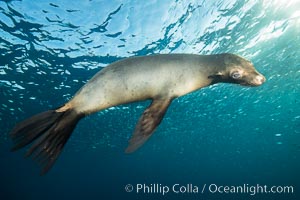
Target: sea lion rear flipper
(147,123)
(49,131)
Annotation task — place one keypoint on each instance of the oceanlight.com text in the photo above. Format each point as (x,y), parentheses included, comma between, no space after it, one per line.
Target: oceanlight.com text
(163,189)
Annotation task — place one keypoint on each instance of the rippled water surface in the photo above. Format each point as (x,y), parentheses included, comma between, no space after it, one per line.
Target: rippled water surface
(224,134)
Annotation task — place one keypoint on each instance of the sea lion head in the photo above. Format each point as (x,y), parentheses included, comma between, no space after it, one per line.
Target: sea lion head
(239,71)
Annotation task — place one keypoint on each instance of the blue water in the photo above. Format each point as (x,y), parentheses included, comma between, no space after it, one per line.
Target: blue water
(224,134)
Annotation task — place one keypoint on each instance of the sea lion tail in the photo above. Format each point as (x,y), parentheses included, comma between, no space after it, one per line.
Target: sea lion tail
(50,130)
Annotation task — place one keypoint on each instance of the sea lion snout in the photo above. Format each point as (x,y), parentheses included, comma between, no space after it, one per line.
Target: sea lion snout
(258,80)
(252,79)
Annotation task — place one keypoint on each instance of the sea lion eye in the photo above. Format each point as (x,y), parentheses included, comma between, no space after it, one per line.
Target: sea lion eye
(236,75)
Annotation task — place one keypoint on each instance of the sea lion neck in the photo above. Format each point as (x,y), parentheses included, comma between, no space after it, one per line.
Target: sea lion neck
(216,71)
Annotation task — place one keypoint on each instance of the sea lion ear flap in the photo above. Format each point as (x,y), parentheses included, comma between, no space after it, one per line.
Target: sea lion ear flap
(217,75)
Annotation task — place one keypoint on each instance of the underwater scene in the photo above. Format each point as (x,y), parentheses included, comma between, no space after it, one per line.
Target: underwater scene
(224,141)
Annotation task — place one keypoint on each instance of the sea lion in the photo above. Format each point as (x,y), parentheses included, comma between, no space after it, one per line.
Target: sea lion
(160,78)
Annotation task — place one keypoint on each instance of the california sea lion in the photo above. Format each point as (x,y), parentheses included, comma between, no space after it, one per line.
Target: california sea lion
(160,78)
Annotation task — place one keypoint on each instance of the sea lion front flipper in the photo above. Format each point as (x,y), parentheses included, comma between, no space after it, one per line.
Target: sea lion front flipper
(147,123)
